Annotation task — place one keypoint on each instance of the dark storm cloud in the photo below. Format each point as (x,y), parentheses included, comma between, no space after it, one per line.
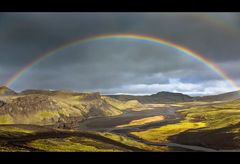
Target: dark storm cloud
(27,35)
(114,64)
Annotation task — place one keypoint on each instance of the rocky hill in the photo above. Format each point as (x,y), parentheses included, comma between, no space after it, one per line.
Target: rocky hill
(59,108)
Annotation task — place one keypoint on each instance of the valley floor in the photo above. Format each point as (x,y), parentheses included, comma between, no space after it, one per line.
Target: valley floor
(177,127)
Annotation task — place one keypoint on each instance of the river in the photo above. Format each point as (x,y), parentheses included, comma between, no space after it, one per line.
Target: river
(108,124)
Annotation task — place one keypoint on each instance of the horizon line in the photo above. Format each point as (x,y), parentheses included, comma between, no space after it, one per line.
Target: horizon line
(117,93)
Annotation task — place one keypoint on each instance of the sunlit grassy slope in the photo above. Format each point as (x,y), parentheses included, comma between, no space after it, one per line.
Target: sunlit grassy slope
(51,107)
(72,144)
(197,118)
(56,143)
(214,116)
(51,143)
(162,133)
(65,144)
(123,105)
(12,129)
(132,142)
(143,121)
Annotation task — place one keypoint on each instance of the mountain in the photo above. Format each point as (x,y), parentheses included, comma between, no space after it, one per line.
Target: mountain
(160,97)
(58,108)
(221,97)
(64,108)
(170,97)
(5,91)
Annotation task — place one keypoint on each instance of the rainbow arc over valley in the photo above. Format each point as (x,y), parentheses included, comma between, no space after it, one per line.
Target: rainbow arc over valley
(126,36)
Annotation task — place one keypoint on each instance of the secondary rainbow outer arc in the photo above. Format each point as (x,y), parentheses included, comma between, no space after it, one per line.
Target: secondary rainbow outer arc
(219,23)
(173,45)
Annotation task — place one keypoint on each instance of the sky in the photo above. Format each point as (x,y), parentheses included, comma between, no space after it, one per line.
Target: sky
(120,66)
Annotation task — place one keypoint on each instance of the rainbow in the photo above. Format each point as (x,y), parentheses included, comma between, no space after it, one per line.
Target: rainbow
(221,24)
(145,38)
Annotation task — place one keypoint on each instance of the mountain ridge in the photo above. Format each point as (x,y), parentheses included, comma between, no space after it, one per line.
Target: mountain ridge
(172,97)
(57,108)
(160,97)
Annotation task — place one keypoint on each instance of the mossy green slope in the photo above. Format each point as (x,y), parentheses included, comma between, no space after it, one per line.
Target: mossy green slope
(72,144)
(51,107)
(215,118)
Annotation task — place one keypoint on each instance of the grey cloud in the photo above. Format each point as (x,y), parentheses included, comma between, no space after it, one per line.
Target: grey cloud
(110,64)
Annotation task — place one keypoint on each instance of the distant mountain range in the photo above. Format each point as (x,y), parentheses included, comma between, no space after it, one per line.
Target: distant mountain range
(160,97)
(220,97)
(169,97)
(68,108)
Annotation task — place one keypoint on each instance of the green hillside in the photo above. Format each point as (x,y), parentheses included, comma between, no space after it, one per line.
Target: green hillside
(212,125)
(58,107)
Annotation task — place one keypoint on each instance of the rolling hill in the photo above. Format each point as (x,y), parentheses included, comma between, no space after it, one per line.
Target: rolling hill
(170,97)
(221,97)
(160,97)
(59,108)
